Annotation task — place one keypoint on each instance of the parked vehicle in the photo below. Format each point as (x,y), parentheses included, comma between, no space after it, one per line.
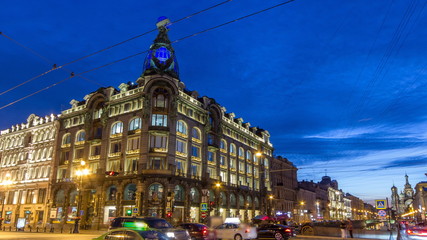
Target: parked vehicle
(134,234)
(150,223)
(235,231)
(197,231)
(275,231)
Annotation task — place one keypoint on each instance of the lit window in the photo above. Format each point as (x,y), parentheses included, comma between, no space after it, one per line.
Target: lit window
(159,120)
(135,124)
(181,146)
(211,156)
(181,127)
(195,151)
(117,128)
(66,139)
(196,133)
(81,136)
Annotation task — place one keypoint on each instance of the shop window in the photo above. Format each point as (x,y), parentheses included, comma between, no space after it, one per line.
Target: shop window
(155,192)
(111,193)
(194,195)
(130,192)
(179,193)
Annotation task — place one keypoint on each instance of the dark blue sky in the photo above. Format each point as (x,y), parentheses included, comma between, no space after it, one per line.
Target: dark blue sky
(338,84)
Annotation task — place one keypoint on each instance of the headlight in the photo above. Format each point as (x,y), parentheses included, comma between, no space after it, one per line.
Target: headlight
(170,234)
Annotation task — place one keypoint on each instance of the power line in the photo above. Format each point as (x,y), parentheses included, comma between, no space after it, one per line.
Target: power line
(97,52)
(136,54)
(54,67)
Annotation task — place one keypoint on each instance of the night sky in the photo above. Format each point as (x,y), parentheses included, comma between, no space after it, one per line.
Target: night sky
(340,85)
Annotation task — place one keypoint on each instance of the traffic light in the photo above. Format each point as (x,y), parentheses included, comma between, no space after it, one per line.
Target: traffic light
(128,212)
(169,214)
(111,173)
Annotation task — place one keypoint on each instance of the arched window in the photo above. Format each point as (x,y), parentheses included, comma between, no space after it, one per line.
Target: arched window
(111,193)
(223,145)
(222,199)
(81,136)
(44,155)
(241,201)
(179,193)
(60,197)
(50,152)
(241,152)
(195,133)
(117,128)
(233,200)
(249,201)
(248,155)
(232,149)
(194,195)
(256,202)
(155,192)
(130,192)
(66,139)
(135,124)
(181,127)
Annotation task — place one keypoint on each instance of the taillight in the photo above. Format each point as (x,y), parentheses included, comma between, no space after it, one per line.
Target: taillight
(247,230)
(409,231)
(288,230)
(204,231)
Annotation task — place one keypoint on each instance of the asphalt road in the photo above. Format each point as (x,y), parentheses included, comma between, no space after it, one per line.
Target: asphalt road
(47,236)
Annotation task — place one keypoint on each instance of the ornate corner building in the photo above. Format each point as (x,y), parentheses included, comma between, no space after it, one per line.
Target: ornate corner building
(149,148)
(402,203)
(26,154)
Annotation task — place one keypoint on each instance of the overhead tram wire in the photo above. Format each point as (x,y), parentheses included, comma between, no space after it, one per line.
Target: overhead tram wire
(99,51)
(44,59)
(378,73)
(136,54)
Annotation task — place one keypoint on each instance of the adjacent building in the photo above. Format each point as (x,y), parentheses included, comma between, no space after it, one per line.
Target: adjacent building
(27,151)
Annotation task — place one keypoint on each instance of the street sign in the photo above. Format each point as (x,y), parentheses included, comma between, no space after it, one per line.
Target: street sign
(380,204)
(203,207)
(382,213)
(203,215)
(135,210)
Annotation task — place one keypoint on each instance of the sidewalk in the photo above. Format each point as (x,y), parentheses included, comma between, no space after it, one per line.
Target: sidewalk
(335,238)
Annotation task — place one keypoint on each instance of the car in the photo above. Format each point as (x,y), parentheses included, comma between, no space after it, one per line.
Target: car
(275,231)
(197,231)
(132,234)
(150,223)
(416,232)
(235,231)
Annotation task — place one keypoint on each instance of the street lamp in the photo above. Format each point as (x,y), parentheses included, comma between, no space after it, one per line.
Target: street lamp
(6,182)
(80,172)
(270,205)
(302,203)
(218,202)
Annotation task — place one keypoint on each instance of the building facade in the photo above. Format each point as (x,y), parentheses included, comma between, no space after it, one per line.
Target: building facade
(284,187)
(154,148)
(26,154)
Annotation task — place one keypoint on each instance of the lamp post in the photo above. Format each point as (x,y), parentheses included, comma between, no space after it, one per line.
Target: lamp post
(5,183)
(218,201)
(80,172)
(270,205)
(302,203)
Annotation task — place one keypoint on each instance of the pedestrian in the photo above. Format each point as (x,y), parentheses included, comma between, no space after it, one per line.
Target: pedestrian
(350,227)
(343,229)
